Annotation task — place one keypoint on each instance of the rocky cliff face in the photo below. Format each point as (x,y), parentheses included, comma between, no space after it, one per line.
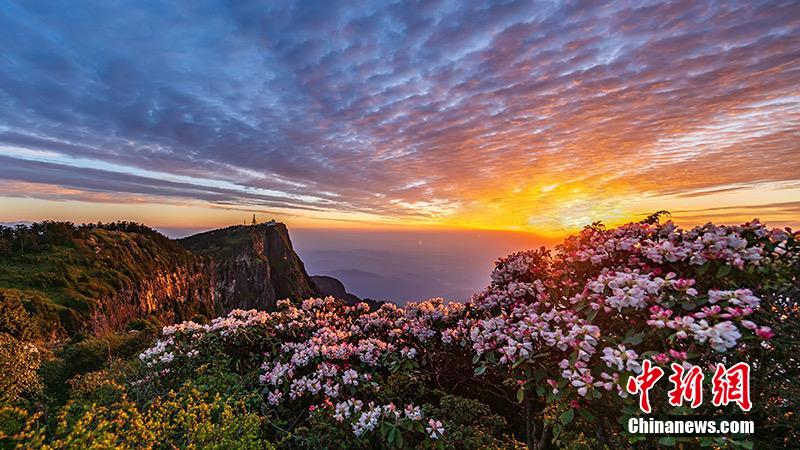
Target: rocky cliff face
(168,296)
(147,276)
(252,266)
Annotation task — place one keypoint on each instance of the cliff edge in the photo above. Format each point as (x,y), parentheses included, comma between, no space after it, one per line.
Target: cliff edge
(253,266)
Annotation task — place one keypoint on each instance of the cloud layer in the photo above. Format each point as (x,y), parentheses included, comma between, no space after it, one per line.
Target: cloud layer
(493,115)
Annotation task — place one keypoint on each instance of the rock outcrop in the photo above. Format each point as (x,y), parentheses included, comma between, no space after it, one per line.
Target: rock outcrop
(329,286)
(253,266)
(145,276)
(167,296)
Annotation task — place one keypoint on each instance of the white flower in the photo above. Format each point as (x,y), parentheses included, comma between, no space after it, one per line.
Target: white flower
(350,377)
(274,397)
(408,352)
(435,429)
(720,337)
(413,412)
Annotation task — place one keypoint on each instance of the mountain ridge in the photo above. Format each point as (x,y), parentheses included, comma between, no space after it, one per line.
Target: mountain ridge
(101,278)
(329,286)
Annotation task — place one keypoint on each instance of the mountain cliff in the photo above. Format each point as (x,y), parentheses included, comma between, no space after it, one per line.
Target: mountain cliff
(254,266)
(96,279)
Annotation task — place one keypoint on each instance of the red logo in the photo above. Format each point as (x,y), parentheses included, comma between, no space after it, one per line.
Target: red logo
(732,385)
(643,383)
(728,385)
(686,385)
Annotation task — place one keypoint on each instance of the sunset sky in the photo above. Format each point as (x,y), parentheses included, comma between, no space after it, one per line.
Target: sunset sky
(518,115)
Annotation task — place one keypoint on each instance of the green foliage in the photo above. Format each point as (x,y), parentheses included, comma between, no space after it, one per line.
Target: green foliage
(472,425)
(222,243)
(19,363)
(12,421)
(27,315)
(99,388)
(89,355)
(92,353)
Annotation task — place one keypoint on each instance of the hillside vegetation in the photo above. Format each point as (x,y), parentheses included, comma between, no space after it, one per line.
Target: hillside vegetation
(71,271)
(541,358)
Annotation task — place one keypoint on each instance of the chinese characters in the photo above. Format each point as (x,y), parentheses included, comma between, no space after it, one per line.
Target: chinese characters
(731,385)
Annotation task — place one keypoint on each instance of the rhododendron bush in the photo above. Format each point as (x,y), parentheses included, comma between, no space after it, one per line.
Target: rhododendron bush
(571,326)
(321,358)
(549,344)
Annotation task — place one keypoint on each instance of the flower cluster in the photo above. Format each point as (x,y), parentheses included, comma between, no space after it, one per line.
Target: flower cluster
(324,350)
(648,284)
(363,418)
(666,243)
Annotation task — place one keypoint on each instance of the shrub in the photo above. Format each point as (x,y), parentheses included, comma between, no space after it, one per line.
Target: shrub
(567,328)
(181,419)
(325,360)
(93,353)
(27,315)
(12,422)
(19,363)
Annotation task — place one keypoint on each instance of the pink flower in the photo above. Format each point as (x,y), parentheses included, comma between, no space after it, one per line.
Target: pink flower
(765,333)
(677,355)
(661,358)
(749,325)
(435,429)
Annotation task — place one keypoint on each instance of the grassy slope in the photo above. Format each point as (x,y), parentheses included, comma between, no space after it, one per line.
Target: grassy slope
(220,243)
